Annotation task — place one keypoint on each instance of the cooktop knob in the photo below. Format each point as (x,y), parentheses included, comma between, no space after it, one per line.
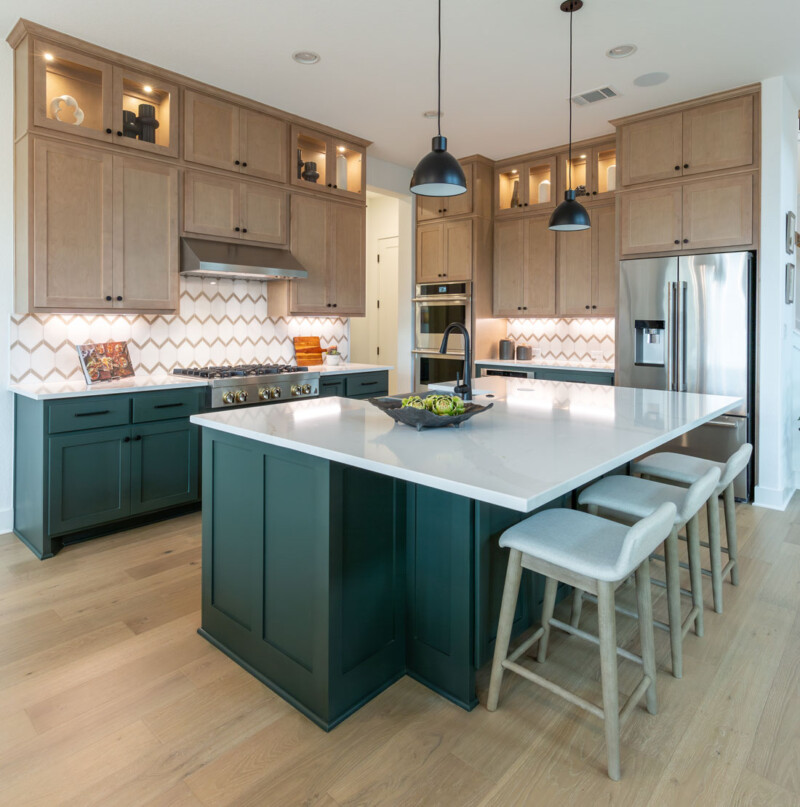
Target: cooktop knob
(275,392)
(296,390)
(264,393)
(228,398)
(241,396)
(306,389)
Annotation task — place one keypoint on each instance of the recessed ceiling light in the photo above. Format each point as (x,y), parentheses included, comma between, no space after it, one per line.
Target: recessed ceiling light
(48,57)
(147,88)
(431,113)
(581,156)
(306,57)
(621,51)
(650,79)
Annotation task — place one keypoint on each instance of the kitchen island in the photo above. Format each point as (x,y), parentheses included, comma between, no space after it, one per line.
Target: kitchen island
(342,551)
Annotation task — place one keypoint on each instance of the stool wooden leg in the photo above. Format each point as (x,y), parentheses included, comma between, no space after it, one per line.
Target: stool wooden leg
(548,606)
(695,570)
(644,607)
(507,608)
(712,506)
(608,672)
(577,605)
(730,530)
(674,602)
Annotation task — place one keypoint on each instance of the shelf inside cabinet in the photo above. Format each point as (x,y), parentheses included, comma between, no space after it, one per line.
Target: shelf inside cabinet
(73,92)
(312,153)
(139,122)
(606,170)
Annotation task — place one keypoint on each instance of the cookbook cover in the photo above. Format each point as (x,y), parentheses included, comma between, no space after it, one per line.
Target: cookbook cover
(105,361)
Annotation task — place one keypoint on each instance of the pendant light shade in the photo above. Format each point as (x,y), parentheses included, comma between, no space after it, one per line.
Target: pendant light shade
(570,215)
(438,173)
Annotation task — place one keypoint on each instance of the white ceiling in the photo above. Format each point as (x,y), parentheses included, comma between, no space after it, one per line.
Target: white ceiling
(504,61)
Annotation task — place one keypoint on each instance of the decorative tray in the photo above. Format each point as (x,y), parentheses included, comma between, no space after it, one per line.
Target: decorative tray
(422,418)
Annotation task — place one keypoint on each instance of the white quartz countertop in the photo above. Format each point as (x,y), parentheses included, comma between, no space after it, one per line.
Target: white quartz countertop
(533,364)
(540,440)
(42,391)
(347,369)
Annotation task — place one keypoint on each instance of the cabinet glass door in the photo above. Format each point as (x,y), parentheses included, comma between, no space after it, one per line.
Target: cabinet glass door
(605,170)
(144,109)
(576,172)
(72,92)
(510,190)
(346,170)
(310,158)
(540,187)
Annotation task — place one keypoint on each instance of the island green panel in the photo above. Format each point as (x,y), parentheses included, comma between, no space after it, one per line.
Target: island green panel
(89,475)
(328,387)
(439,555)
(164,466)
(579,376)
(30,470)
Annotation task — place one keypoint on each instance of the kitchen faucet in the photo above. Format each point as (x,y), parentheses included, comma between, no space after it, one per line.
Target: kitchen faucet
(464,389)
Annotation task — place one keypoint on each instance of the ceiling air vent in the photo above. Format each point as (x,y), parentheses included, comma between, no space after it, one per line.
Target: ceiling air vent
(593,96)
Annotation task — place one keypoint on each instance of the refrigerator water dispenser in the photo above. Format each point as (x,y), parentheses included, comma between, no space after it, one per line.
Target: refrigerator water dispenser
(650,342)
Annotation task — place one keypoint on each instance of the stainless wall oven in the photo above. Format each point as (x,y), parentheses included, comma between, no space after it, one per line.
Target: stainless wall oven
(436,305)
(434,368)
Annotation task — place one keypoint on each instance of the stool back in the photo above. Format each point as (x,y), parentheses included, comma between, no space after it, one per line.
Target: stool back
(644,536)
(698,494)
(736,463)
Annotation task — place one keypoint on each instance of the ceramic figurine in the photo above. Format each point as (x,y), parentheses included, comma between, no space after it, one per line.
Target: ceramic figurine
(310,173)
(147,123)
(130,126)
(544,191)
(341,172)
(515,194)
(68,101)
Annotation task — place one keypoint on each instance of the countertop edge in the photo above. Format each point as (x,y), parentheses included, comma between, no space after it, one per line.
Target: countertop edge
(37,394)
(532,365)
(325,370)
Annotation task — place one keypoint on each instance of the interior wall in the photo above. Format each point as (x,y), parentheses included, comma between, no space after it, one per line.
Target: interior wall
(775,480)
(6,279)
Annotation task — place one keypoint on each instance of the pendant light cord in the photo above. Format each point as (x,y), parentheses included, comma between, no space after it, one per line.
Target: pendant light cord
(439,76)
(569,100)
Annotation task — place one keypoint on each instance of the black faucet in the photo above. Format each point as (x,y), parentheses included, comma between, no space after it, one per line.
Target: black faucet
(463,389)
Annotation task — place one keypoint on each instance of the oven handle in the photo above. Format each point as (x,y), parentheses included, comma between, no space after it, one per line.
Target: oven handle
(443,298)
(434,354)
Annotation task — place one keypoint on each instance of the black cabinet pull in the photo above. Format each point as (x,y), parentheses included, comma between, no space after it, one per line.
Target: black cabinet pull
(244,165)
(368,383)
(677,241)
(329,185)
(167,406)
(92,414)
(444,210)
(525,205)
(334,305)
(119,298)
(236,229)
(138,437)
(236,162)
(587,307)
(108,298)
(244,229)
(328,304)
(119,134)
(686,165)
(335,185)
(685,240)
(108,131)
(439,210)
(524,307)
(519,308)
(594,306)
(677,168)
(126,440)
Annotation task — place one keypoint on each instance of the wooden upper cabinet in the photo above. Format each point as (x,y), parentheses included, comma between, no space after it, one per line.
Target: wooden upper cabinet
(540,268)
(310,236)
(593,171)
(145,234)
(604,261)
(718,212)
(718,136)
(72,262)
(652,149)
(264,145)
(347,289)
(430,253)
(525,186)
(327,164)
(509,268)
(211,204)
(575,274)
(428,207)
(650,221)
(437,207)
(145,115)
(263,213)
(71,91)
(210,131)
(458,250)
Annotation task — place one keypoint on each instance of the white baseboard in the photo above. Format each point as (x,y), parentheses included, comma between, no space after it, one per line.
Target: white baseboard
(6,520)
(773,498)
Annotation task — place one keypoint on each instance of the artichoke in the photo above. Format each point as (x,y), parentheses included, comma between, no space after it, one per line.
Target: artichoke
(443,404)
(414,401)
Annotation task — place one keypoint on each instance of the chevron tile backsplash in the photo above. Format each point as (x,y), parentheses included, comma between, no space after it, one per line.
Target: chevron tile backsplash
(580,342)
(219,323)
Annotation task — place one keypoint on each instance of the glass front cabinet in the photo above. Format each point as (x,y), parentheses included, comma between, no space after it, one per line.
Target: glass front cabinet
(593,170)
(328,164)
(524,186)
(79,95)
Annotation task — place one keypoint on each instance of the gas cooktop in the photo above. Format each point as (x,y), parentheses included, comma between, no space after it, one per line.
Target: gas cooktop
(238,370)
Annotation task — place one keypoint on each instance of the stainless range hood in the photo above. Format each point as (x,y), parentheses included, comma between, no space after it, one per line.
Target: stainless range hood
(217,259)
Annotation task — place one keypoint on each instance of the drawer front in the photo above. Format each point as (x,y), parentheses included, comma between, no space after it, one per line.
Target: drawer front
(583,377)
(367,384)
(75,414)
(330,387)
(166,404)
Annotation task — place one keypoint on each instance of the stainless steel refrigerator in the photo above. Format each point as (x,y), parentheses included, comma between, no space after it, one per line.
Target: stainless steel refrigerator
(687,324)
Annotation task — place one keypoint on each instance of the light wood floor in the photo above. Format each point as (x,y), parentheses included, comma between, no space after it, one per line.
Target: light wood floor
(109,697)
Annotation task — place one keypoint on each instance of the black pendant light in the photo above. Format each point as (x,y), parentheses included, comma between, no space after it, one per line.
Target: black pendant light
(438,173)
(570,215)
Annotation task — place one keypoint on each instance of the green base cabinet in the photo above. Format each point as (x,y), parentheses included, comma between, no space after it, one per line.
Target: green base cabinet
(328,582)
(355,385)
(96,464)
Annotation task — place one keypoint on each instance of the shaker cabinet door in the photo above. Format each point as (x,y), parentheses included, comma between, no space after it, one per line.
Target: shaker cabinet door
(211,131)
(718,212)
(309,244)
(575,273)
(540,268)
(718,136)
(430,253)
(458,250)
(347,260)
(604,261)
(650,221)
(145,234)
(211,205)
(652,149)
(72,226)
(264,213)
(509,260)
(264,145)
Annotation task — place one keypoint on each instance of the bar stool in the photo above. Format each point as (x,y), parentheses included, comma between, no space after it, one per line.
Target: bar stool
(597,555)
(684,469)
(632,497)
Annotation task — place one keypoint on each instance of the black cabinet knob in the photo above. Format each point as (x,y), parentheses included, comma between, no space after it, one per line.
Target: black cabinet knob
(108,297)
(594,306)
(119,134)
(244,229)
(444,210)
(335,186)
(686,165)
(525,204)
(108,131)
(587,307)
(244,165)
(439,210)
(328,304)
(524,307)
(236,229)
(677,168)
(334,305)
(119,298)
(519,308)
(138,437)
(685,240)
(329,185)
(594,193)
(677,241)
(236,162)
(126,439)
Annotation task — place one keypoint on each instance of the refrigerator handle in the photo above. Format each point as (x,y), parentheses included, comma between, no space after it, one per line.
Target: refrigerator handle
(681,318)
(671,336)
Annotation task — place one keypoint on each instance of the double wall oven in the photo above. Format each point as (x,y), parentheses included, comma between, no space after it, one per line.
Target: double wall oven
(436,305)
